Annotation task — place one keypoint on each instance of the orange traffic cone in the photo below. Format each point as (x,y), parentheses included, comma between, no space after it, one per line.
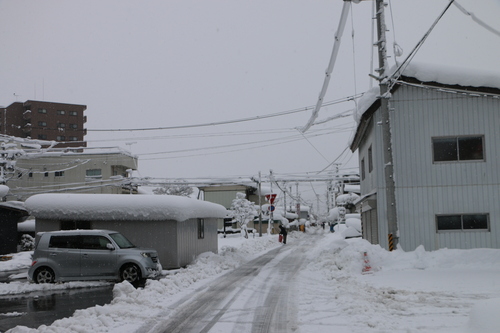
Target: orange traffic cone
(366,266)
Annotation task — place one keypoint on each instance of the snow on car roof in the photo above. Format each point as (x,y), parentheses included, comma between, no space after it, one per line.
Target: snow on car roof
(121,207)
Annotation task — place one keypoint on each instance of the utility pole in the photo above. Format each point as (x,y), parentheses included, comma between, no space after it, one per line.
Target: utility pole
(284,200)
(270,223)
(392,224)
(260,205)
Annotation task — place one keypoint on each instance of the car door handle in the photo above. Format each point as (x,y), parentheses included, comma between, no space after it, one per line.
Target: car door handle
(53,254)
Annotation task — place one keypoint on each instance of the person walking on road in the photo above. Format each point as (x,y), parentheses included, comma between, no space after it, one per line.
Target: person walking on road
(283,233)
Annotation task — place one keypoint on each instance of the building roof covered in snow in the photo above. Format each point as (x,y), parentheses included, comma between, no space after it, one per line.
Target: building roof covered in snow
(121,207)
(439,76)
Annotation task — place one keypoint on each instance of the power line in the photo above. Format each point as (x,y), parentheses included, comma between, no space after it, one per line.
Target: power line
(225,122)
(476,19)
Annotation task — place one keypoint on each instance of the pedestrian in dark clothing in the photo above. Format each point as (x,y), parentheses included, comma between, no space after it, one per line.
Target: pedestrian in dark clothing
(283,232)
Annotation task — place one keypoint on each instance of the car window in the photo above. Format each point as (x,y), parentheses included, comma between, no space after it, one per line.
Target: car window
(122,241)
(94,242)
(64,242)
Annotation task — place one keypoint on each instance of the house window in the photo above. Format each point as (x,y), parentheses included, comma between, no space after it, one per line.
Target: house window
(42,124)
(61,138)
(61,125)
(61,112)
(46,174)
(370,160)
(73,138)
(93,173)
(30,175)
(73,225)
(42,136)
(363,169)
(462,148)
(42,110)
(73,126)
(73,113)
(201,228)
(462,222)
(59,173)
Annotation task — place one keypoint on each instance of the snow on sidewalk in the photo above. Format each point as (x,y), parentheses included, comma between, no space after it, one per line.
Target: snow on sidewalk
(414,291)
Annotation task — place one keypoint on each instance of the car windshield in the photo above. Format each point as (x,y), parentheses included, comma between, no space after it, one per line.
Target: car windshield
(122,241)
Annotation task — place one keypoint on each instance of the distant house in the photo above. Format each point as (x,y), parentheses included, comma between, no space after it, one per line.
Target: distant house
(179,228)
(224,194)
(446,158)
(72,170)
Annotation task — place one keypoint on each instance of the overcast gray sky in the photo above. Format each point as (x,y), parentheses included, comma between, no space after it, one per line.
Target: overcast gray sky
(160,63)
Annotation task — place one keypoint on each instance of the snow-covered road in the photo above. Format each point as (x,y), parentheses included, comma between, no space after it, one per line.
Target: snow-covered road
(259,296)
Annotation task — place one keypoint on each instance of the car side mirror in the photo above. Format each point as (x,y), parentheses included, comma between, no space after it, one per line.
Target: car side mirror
(110,246)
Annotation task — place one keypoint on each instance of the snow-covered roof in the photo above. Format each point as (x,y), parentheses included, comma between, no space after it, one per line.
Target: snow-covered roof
(121,207)
(442,74)
(452,75)
(14,205)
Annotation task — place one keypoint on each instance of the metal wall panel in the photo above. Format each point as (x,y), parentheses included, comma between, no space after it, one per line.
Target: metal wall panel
(189,245)
(424,188)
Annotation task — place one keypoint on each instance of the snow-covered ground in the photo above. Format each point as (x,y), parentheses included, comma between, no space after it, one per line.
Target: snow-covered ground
(419,291)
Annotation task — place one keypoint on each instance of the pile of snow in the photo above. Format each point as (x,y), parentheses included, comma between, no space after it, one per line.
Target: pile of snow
(348,198)
(121,207)
(452,291)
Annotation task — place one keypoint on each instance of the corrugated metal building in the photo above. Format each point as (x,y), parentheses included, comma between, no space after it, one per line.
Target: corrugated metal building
(446,157)
(179,228)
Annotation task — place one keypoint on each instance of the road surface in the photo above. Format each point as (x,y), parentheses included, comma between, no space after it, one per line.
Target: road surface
(259,296)
(43,308)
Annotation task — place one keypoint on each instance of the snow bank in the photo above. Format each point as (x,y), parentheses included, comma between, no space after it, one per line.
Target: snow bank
(123,207)
(452,291)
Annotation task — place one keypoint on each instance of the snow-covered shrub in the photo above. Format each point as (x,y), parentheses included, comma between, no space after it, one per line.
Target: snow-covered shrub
(27,242)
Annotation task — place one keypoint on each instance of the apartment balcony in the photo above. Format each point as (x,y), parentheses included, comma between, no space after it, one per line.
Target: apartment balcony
(27,115)
(27,128)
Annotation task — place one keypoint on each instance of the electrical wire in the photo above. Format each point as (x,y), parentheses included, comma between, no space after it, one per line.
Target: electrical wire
(224,122)
(476,19)
(417,47)
(269,143)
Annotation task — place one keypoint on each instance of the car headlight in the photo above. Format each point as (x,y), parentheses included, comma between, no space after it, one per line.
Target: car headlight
(146,254)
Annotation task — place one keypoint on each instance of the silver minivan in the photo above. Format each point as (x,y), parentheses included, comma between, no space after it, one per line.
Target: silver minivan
(90,255)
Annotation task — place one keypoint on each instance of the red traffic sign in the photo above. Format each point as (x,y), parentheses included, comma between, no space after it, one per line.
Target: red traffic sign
(271,198)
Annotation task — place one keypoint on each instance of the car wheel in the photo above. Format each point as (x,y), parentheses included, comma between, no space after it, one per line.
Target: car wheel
(44,275)
(130,273)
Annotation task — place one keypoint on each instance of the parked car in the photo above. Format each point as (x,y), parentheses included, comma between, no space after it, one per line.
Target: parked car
(90,255)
